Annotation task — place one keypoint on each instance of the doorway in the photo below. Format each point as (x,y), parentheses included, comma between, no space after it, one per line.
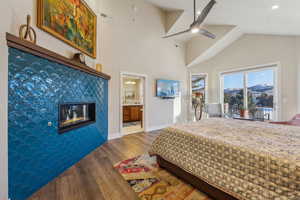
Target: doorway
(198,91)
(132,103)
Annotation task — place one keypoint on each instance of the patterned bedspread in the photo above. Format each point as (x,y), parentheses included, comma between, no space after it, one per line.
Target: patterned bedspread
(249,160)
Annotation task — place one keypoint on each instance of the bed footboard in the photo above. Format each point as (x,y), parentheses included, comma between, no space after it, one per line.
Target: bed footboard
(194,181)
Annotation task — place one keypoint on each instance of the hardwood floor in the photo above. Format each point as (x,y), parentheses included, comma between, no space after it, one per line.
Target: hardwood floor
(94,177)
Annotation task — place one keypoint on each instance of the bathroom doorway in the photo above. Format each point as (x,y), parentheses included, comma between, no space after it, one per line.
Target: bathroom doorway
(132,103)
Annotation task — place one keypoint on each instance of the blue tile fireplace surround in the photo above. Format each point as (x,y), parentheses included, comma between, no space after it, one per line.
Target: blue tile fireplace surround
(37,152)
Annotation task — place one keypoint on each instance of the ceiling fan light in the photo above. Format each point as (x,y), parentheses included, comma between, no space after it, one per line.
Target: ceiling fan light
(195,30)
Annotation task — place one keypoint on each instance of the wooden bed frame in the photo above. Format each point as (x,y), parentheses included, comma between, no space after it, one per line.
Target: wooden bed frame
(194,181)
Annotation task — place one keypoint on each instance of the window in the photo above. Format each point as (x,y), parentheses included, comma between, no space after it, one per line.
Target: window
(250,93)
(234,92)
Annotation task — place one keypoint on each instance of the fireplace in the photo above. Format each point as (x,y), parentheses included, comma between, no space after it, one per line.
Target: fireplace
(75,115)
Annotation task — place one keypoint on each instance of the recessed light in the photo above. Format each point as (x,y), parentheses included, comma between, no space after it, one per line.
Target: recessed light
(130,82)
(275,7)
(199,13)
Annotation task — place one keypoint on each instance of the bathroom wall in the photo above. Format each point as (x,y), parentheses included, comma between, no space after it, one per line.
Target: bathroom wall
(131,42)
(133,93)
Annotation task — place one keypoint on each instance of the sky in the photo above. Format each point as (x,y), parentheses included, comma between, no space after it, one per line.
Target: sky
(254,78)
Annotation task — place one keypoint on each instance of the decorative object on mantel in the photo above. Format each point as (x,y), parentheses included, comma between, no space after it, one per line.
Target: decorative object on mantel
(26,32)
(73,22)
(26,46)
(99,67)
(79,57)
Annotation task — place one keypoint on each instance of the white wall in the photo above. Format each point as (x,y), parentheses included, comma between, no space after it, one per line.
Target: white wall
(19,10)
(123,45)
(4,25)
(130,45)
(298,72)
(251,50)
(171,18)
(199,44)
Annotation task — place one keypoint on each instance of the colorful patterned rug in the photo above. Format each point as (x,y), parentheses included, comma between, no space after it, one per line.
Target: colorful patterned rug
(152,183)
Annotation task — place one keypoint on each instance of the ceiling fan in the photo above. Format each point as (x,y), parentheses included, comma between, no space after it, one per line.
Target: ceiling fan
(196,26)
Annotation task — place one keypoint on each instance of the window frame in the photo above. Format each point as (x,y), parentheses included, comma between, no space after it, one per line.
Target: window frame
(274,66)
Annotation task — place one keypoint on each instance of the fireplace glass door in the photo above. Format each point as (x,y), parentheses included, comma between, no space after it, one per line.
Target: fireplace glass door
(75,115)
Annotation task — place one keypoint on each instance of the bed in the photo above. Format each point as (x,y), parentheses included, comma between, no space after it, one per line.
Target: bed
(233,159)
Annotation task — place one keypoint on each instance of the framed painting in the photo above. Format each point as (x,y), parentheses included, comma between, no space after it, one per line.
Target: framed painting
(71,21)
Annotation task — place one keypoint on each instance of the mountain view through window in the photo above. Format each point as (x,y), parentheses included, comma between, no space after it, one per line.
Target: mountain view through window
(252,91)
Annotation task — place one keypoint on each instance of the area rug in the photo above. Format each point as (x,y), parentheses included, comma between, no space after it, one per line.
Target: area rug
(153,183)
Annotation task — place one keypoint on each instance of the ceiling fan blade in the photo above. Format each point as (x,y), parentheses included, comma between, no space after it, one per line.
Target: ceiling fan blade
(179,33)
(205,12)
(207,34)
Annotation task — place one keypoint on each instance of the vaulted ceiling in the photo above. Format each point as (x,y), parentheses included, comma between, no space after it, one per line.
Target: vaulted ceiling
(251,16)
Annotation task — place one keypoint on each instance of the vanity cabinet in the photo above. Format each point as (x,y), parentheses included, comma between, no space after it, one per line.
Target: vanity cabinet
(132,113)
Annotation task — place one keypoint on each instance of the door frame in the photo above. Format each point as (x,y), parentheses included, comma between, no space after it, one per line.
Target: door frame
(145,78)
(277,86)
(191,74)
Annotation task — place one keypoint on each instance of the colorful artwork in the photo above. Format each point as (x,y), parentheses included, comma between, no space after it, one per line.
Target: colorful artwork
(72,21)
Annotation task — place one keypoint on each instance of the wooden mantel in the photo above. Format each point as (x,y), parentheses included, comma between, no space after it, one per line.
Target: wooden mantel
(26,46)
